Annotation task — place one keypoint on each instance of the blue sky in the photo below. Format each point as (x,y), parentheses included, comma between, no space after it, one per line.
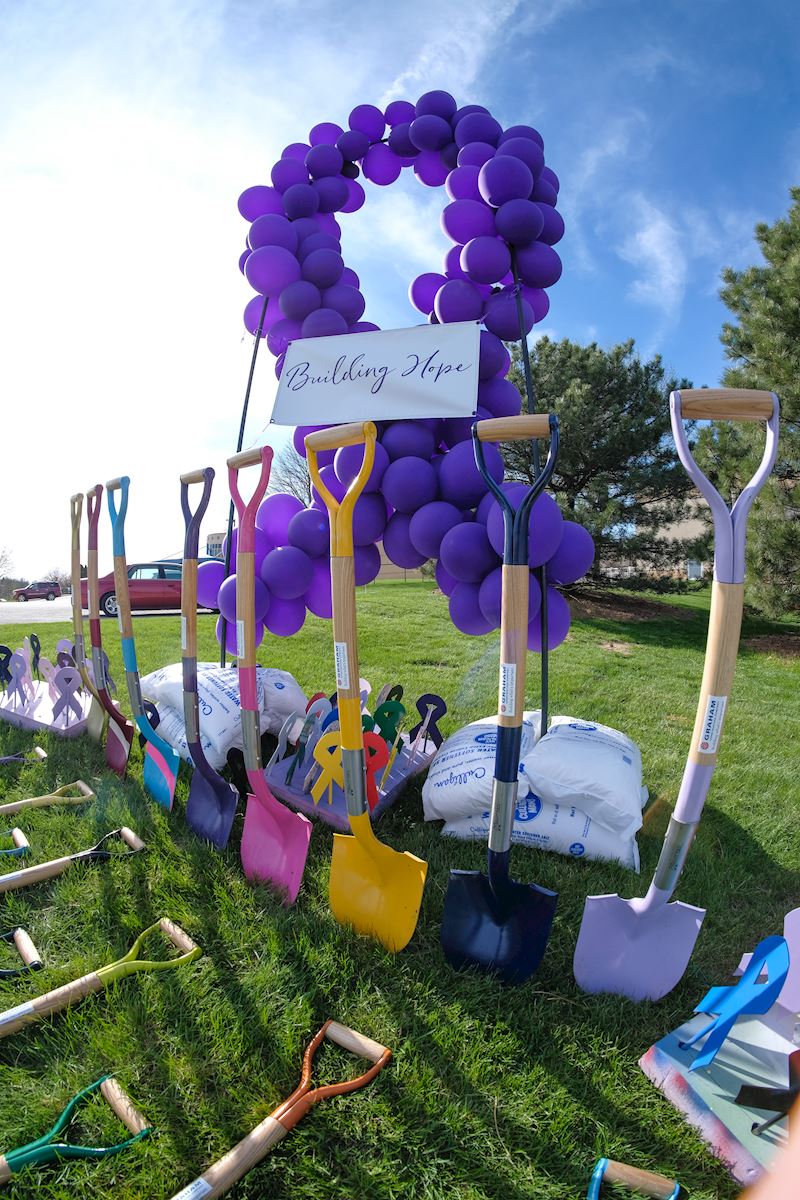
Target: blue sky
(128,131)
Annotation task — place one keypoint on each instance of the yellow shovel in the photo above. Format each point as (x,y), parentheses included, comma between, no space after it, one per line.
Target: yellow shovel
(375,889)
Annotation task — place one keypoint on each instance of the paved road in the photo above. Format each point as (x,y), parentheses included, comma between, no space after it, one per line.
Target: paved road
(37,612)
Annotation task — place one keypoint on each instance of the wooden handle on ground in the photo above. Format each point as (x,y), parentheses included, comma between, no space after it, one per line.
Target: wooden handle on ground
(40,753)
(57,797)
(247,458)
(513,429)
(131,839)
(647,1182)
(123,1107)
(176,935)
(194,476)
(19,839)
(13,1019)
(236,1163)
(25,947)
(356,1043)
(726,404)
(20,879)
(340,435)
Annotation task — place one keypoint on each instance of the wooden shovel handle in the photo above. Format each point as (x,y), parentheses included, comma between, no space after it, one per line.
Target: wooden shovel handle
(14,880)
(113,485)
(14,1019)
(177,936)
(57,797)
(513,429)
(247,458)
(19,839)
(25,947)
(122,1106)
(726,404)
(338,436)
(355,1042)
(131,839)
(198,476)
(646,1182)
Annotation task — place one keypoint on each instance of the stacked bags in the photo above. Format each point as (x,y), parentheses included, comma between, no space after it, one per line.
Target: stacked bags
(579,789)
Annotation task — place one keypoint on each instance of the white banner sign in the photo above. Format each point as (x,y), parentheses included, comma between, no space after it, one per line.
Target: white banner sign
(427,371)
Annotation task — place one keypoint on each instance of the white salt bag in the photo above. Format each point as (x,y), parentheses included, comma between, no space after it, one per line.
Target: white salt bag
(592,767)
(558,827)
(459,781)
(172,729)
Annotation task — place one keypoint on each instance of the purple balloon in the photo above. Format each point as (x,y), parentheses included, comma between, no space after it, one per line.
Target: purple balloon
(234,547)
(226,600)
(400,141)
(369,120)
(355,197)
(519,221)
(345,300)
(328,224)
(403,438)
(544,530)
(243,257)
(309,531)
(369,518)
(485,507)
(429,168)
(381,165)
(409,483)
(491,593)
(333,485)
(553,225)
(467,553)
(300,200)
(494,358)
(325,133)
(398,545)
(323,160)
(299,299)
(255,201)
(465,611)
(465,110)
(439,103)
(333,193)
(274,515)
(550,177)
(230,634)
(501,317)
(527,150)
(365,327)
(430,132)
(305,227)
(262,548)
(574,556)
(366,564)
(478,127)
(347,464)
(325,322)
(253,313)
(522,131)
(422,291)
(318,596)
(444,580)
(272,230)
(270,269)
(352,145)
(209,580)
(285,617)
(323,268)
(462,184)
(297,150)
(463,220)
(539,265)
(281,334)
(452,263)
(538,300)
(429,525)
(558,620)
(287,572)
(458,300)
(400,111)
(475,154)
(456,430)
(485,259)
(544,192)
(317,241)
(350,278)
(460,481)
(504,178)
(500,397)
(287,172)
(324,457)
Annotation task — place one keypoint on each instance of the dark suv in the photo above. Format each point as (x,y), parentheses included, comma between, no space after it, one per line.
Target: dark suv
(46,589)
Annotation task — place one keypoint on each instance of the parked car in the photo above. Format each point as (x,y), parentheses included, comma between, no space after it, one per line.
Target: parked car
(151,585)
(44,589)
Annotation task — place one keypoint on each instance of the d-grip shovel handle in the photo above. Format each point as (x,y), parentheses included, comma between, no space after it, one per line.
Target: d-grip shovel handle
(245,585)
(647,1182)
(59,796)
(191,543)
(31,959)
(14,880)
(94,500)
(76,511)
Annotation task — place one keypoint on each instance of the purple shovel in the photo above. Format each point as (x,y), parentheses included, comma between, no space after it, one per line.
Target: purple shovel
(641,948)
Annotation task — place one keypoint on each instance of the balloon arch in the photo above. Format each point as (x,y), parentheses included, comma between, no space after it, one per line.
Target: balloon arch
(425,498)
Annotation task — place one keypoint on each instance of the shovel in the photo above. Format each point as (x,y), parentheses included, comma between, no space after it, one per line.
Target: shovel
(491,921)
(641,948)
(274,839)
(96,722)
(23,944)
(12,881)
(161,761)
(211,805)
(119,734)
(375,889)
(21,756)
(63,795)
(647,1183)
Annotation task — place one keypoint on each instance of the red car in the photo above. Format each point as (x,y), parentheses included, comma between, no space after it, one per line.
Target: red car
(152,585)
(43,589)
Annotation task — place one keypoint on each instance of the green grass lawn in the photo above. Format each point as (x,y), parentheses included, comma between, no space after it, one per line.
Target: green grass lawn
(492,1092)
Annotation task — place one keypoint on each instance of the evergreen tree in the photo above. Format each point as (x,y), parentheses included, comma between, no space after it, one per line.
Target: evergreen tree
(617,471)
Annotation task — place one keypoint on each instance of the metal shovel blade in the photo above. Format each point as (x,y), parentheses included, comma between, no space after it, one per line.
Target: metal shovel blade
(96,720)
(502,929)
(629,952)
(118,745)
(274,845)
(211,805)
(161,765)
(373,888)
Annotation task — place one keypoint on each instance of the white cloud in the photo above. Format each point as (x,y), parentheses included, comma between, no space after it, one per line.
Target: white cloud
(655,249)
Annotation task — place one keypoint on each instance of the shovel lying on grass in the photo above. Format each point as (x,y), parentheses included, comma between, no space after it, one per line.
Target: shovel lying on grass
(14,880)
(71,793)
(374,888)
(211,804)
(641,948)
(491,921)
(274,839)
(647,1183)
(23,942)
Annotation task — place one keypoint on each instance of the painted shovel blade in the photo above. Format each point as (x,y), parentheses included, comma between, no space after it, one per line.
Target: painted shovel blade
(275,846)
(161,765)
(505,932)
(211,808)
(633,953)
(118,746)
(97,720)
(373,888)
